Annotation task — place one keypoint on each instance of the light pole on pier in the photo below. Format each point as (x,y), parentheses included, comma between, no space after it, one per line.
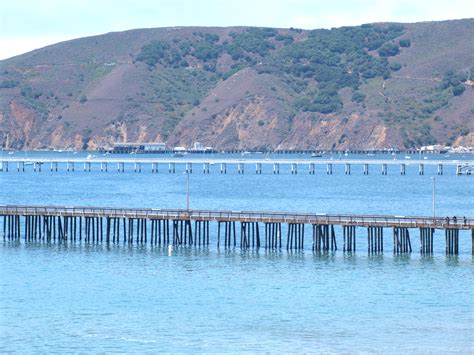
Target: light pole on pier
(433,196)
(187,190)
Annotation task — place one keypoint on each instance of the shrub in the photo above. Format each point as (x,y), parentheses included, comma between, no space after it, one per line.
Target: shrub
(358,97)
(388,50)
(458,90)
(395,66)
(404,43)
(8,84)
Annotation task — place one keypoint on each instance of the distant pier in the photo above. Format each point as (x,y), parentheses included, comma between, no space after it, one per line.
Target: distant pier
(240,166)
(243,229)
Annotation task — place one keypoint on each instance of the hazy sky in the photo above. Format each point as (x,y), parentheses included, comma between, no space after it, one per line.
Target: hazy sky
(30,24)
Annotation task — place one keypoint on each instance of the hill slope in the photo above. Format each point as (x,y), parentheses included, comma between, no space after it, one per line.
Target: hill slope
(371,86)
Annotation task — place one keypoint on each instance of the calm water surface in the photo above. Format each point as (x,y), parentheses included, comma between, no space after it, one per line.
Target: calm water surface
(97,298)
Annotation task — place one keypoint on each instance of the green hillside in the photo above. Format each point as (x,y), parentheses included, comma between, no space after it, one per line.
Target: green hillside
(370,86)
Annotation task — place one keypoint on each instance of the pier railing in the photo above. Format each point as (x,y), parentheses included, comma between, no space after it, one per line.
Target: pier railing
(458,222)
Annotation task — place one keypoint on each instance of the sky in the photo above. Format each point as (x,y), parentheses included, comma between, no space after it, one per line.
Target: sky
(29,24)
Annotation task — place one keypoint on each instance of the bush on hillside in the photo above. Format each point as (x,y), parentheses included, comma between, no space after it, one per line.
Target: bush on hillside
(389,50)
(8,84)
(404,43)
(357,96)
(395,66)
(458,89)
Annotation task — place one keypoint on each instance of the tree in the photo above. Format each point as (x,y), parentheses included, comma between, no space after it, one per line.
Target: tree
(404,43)
(388,50)
(458,89)
(395,66)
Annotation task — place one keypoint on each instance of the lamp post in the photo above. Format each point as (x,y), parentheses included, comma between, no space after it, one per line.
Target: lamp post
(187,190)
(433,196)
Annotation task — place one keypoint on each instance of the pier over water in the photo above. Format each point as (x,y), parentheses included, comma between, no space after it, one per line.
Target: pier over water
(244,229)
(295,166)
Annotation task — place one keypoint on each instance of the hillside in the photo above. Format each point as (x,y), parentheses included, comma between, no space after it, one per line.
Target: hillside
(372,86)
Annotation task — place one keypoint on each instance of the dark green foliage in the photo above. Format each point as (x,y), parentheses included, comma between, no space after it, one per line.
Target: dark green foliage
(8,84)
(206,51)
(30,93)
(471,77)
(389,50)
(83,99)
(334,59)
(323,101)
(254,40)
(458,89)
(153,52)
(454,80)
(405,43)
(285,39)
(357,96)
(395,66)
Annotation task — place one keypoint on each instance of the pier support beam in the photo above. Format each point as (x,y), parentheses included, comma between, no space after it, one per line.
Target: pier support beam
(349,234)
(294,168)
(440,169)
(375,239)
(137,167)
(205,168)
(452,241)
(201,233)
(295,239)
(384,169)
(324,237)
(171,168)
(276,168)
(426,240)
(189,168)
(240,168)
(182,232)
(366,169)
(258,168)
(223,168)
(272,235)
(402,169)
(249,235)
(329,169)
(229,232)
(421,169)
(311,168)
(401,240)
(347,169)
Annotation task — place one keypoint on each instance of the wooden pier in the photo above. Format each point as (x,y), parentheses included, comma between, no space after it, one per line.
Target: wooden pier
(234,228)
(223,166)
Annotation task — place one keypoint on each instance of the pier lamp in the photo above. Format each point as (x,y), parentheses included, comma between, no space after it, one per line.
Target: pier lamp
(433,197)
(187,190)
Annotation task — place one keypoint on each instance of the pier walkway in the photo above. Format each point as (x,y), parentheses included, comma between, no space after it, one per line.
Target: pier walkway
(105,164)
(234,228)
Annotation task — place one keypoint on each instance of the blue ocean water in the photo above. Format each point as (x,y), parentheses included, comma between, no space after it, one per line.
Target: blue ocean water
(100,298)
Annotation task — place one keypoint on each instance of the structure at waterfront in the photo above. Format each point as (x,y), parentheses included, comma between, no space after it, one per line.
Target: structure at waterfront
(234,228)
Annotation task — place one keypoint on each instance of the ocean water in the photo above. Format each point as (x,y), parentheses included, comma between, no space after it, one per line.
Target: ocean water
(139,298)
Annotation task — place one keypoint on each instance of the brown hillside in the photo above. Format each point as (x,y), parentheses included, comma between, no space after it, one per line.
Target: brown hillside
(372,86)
